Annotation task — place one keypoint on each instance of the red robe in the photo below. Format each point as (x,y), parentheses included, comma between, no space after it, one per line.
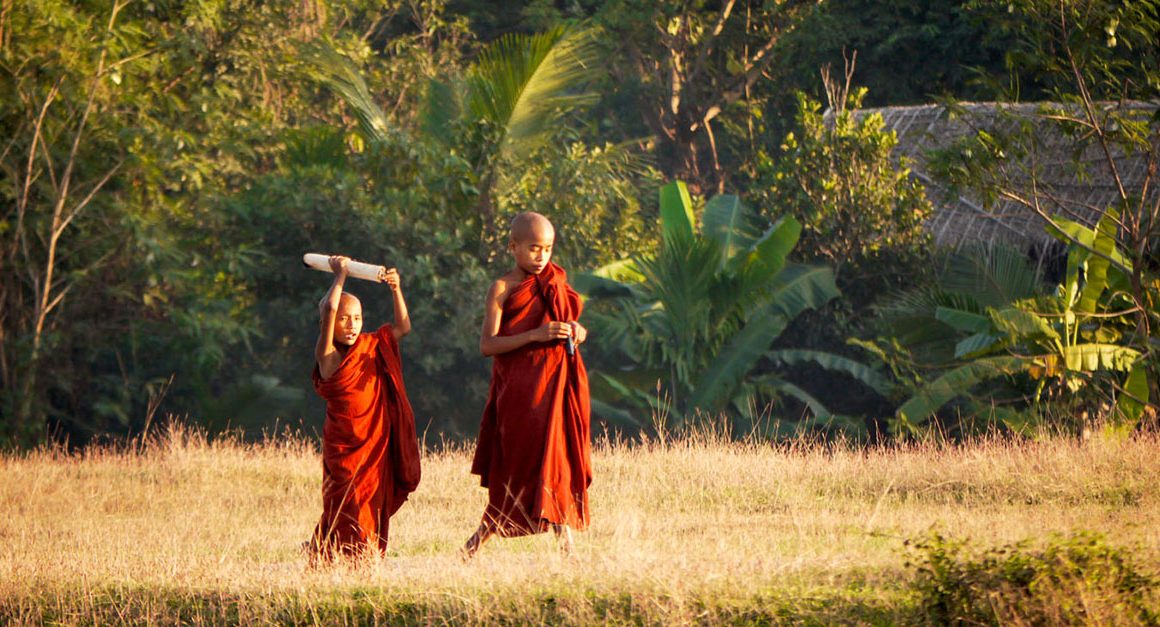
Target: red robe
(370,453)
(534,454)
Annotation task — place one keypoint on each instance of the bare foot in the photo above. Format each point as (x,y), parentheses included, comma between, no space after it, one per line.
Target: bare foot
(471,547)
(563,539)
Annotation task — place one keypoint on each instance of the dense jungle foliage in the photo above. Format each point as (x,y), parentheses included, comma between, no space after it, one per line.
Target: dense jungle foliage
(164,164)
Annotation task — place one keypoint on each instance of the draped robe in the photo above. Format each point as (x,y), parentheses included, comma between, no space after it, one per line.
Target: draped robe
(370,453)
(533,453)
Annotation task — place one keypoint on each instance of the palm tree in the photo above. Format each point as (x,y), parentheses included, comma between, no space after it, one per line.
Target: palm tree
(510,105)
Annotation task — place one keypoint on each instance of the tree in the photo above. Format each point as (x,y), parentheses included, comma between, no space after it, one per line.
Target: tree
(500,116)
(699,316)
(124,122)
(862,209)
(691,67)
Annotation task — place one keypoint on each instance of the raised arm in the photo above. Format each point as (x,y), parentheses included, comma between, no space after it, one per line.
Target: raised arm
(402,325)
(325,353)
(492,343)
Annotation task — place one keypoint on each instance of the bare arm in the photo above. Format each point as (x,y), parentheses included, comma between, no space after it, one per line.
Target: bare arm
(491,343)
(402,324)
(325,353)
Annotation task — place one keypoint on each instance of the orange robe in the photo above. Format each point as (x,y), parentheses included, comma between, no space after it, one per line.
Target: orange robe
(533,453)
(370,454)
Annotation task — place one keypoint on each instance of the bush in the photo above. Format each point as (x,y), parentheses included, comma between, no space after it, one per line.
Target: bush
(1072,580)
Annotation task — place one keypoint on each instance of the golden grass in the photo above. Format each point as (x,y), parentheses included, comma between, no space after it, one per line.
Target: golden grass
(693,530)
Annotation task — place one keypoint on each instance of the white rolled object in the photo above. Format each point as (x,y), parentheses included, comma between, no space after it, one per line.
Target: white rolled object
(356,269)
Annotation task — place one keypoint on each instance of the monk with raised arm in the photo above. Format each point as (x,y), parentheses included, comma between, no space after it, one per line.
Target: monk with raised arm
(533,453)
(370,453)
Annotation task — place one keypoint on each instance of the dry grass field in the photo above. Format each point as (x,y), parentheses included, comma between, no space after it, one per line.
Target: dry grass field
(697,529)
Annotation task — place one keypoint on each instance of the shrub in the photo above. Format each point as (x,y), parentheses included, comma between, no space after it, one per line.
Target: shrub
(1079,579)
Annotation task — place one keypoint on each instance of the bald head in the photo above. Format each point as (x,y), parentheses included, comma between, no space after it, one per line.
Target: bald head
(529,226)
(532,237)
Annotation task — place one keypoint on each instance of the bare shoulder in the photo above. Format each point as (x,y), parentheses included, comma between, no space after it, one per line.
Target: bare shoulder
(501,287)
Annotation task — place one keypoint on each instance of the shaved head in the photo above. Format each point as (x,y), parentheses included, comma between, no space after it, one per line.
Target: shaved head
(530,225)
(350,300)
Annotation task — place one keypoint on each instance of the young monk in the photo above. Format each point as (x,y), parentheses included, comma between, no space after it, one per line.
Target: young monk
(533,453)
(370,453)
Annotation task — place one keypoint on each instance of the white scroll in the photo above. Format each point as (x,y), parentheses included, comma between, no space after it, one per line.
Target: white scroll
(356,269)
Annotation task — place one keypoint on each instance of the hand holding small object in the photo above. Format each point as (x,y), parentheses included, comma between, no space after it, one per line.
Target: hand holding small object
(391,278)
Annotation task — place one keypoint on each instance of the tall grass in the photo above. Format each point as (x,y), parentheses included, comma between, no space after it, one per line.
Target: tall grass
(692,529)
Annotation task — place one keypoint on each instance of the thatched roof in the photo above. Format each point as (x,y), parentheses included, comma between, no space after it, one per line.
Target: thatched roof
(1081,193)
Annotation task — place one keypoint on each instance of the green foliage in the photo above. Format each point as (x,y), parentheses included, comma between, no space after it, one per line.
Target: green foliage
(861,210)
(909,51)
(983,322)
(693,324)
(1111,46)
(1098,63)
(1079,579)
(399,203)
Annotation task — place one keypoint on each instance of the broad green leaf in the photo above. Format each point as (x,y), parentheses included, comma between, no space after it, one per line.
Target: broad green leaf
(977,344)
(614,414)
(801,288)
(1096,277)
(963,320)
(625,270)
(1093,357)
(1083,237)
(836,363)
(820,411)
(768,254)
(1021,325)
(1135,395)
(676,211)
(1019,421)
(956,382)
(729,221)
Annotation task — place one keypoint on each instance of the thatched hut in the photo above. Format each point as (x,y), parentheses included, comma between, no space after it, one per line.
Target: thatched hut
(1068,175)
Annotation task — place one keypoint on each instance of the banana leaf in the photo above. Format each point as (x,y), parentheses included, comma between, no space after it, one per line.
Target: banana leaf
(956,382)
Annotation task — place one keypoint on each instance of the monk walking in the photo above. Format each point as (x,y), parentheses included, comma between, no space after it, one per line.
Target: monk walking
(370,453)
(533,453)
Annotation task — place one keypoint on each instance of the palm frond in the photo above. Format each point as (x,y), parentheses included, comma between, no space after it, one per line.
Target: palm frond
(442,109)
(341,75)
(993,276)
(522,84)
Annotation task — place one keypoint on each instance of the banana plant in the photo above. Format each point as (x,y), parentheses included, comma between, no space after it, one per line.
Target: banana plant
(694,324)
(1075,338)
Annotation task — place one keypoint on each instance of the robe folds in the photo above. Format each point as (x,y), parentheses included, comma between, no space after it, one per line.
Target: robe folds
(534,452)
(370,453)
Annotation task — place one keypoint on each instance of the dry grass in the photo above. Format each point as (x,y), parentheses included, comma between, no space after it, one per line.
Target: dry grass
(693,530)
